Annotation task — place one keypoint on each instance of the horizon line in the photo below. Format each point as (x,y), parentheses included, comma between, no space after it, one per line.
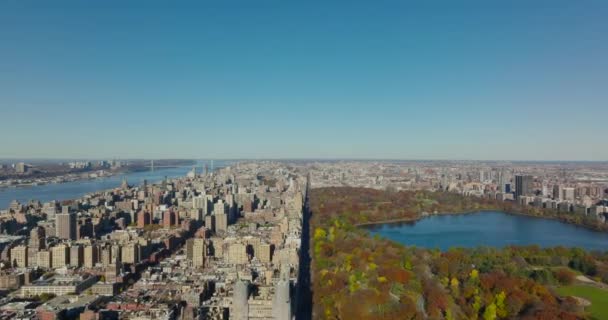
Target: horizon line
(293,159)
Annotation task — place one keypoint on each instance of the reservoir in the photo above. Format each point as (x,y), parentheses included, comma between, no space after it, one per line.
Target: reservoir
(77,189)
(489,228)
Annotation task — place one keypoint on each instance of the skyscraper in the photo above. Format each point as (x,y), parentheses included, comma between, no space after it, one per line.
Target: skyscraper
(66,226)
(523,185)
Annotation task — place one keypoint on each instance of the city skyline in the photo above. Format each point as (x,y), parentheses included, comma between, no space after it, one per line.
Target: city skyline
(471,81)
(280,160)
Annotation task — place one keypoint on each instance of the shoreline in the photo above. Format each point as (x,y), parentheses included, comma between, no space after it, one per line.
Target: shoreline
(81,176)
(420,217)
(71,177)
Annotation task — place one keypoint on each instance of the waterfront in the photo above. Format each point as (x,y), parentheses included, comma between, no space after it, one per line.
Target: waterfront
(76,189)
(494,229)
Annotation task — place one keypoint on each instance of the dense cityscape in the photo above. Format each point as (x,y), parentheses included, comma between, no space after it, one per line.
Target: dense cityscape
(227,244)
(579,188)
(303,160)
(197,247)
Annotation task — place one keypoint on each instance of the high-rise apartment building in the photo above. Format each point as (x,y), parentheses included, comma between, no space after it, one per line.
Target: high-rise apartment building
(523,185)
(91,255)
(237,253)
(568,194)
(19,256)
(66,225)
(37,238)
(44,259)
(143,219)
(221,222)
(60,256)
(198,252)
(76,256)
(130,253)
(169,219)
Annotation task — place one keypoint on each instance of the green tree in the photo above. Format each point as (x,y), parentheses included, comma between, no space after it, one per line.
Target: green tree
(490,312)
(501,308)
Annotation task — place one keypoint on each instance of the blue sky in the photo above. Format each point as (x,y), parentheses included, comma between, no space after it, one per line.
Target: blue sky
(284,79)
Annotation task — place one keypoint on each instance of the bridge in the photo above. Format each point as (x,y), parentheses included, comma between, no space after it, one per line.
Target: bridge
(152,166)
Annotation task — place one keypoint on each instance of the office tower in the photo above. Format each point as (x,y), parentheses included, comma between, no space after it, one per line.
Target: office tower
(19,256)
(523,185)
(60,256)
(66,225)
(198,252)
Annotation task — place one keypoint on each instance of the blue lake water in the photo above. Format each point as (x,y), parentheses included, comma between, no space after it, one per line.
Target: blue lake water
(493,229)
(77,189)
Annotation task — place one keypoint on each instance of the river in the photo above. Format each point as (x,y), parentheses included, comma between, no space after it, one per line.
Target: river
(490,228)
(77,189)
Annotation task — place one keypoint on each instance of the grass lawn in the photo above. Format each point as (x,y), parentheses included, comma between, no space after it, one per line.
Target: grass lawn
(597,297)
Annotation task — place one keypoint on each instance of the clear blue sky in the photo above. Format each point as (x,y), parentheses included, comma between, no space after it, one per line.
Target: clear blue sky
(286,79)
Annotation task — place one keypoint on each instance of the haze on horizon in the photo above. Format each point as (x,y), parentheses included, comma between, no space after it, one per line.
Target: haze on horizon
(479,80)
